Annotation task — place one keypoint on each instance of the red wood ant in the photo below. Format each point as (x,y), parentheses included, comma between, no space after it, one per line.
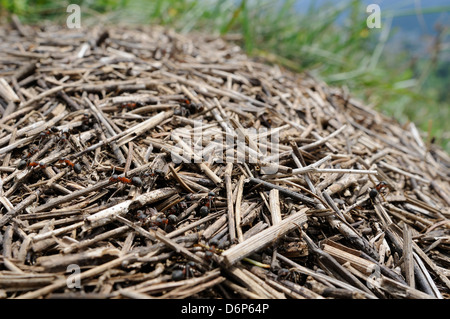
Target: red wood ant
(178,208)
(86,122)
(76,167)
(64,136)
(267,122)
(130,105)
(52,131)
(205,209)
(187,108)
(36,164)
(31,151)
(160,221)
(186,271)
(136,181)
(289,274)
(375,191)
(211,249)
(163,222)
(26,163)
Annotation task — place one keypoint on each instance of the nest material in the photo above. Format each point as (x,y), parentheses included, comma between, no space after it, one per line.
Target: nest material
(113,178)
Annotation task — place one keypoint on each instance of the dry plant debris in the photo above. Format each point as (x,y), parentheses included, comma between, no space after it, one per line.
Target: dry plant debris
(134,164)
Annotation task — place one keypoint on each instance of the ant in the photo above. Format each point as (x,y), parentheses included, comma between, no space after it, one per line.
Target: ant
(267,122)
(186,271)
(131,105)
(141,216)
(22,164)
(179,207)
(205,209)
(153,176)
(161,222)
(136,181)
(211,249)
(64,135)
(52,131)
(76,167)
(187,108)
(182,112)
(86,121)
(128,105)
(144,217)
(26,163)
(375,191)
(289,274)
(31,151)
(36,164)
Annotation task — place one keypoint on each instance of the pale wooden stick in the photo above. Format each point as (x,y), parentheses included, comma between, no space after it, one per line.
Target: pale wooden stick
(255,243)
(230,202)
(408,257)
(275,210)
(237,211)
(249,282)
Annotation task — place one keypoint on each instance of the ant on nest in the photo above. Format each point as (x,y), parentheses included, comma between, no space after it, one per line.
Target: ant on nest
(291,274)
(155,221)
(184,271)
(25,163)
(76,167)
(214,247)
(131,105)
(187,108)
(62,136)
(378,190)
(207,204)
(135,180)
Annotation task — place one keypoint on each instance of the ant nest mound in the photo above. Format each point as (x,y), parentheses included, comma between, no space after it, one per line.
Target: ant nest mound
(146,163)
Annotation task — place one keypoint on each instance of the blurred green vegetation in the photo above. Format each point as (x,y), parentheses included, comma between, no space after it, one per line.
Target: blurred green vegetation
(407,86)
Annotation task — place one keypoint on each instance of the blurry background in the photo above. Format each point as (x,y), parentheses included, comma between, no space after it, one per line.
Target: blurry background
(402,69)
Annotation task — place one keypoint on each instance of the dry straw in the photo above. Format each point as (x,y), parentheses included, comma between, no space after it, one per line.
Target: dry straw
(94,173)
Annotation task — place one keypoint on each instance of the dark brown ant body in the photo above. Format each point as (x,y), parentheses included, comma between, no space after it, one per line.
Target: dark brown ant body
(136,181)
